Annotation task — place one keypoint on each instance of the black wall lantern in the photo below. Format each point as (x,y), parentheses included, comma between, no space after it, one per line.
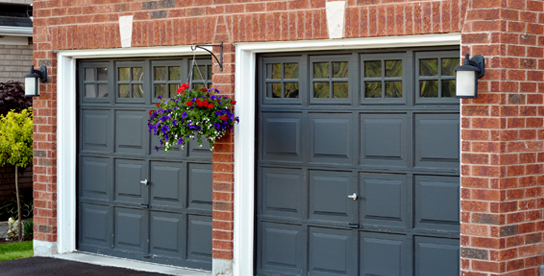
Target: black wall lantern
(467,75)
(32,81)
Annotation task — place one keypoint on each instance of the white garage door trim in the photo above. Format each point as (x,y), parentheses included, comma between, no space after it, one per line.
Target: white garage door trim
(244,143)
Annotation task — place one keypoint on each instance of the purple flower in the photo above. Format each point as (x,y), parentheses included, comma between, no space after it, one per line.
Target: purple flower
(159,97)
(165,129)
(174,123)
(156,148)
(180,141)
(217,125)
(184,115)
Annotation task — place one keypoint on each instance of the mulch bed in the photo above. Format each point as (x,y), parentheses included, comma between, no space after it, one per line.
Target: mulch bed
(11,240)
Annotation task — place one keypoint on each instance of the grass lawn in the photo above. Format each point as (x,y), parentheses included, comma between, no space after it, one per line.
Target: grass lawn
(16,250)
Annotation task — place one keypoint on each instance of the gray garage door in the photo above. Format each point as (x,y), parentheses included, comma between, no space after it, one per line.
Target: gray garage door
(358,164)
(133,201)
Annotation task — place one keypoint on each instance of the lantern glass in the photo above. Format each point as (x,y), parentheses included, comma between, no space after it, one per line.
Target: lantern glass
(32,87)
(465,84)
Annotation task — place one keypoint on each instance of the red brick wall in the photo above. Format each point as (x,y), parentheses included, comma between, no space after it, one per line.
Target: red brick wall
(501,151)
(502,148)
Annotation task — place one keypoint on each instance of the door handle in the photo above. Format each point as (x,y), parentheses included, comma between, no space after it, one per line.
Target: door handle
(145,182)
(354,196)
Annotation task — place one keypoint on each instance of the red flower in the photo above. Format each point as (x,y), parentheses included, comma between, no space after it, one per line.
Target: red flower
(210,106)
(189,103)
(199,103)
(158,104)
(206,103)
(233,102)
(203,89)
(183,87)
(224,118)
(150,112)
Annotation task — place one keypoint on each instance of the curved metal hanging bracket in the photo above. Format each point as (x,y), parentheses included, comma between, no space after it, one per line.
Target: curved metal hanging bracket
(220,60)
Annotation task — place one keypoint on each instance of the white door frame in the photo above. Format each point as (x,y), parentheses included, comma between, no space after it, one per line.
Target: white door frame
(244,140)
(67,134)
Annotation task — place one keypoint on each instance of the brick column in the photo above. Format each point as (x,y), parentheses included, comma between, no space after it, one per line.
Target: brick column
(502,149)
(223,161)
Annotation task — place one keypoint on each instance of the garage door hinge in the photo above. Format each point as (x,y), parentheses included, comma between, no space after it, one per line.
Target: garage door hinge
(354,225)
(145,205)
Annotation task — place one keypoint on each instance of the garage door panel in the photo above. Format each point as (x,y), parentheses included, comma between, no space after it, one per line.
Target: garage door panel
(199,185)
(131,226)
(383,200)
(169,182)
(331,252)
(330,136)
(281,139)
(437,202)
(384,140)
(131,131)
(96,178)
(436,256)
(199,237)
(194,150)
(97,221)
(282,248)
(283,192)
(128,174)
(97,129)
(167,234)
(328,196)
(437,141)
(383,254)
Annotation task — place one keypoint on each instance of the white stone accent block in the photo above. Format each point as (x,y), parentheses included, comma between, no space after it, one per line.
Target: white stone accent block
(221,267)
(43,248)
(125,29)
(335,18)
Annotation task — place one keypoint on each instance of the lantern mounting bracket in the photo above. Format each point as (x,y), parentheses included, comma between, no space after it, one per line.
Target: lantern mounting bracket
(220,45)
(477,61)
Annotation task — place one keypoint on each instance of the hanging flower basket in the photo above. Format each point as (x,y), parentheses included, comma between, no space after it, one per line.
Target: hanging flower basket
(192,114)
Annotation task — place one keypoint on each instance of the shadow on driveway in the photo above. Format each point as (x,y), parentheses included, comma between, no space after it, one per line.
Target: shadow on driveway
(43,266)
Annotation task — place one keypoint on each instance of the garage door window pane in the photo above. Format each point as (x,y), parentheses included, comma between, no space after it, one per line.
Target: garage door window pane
(160,73)
(448,66)
(321,90)
(124,91)
(291,90)
(199,72)
(428,89)
(428,67)
(160,90)
(124,74)
(393,68)
(102,74)
(373,69)
(448,88)
(340,90)
(173,90)
(89,74)
(273,71)
(373,89)
(290,70)
(393,89)
(174,73)
(103,90)
(273,90)
(340,70)
(138,74)
(137,91)
(321,70)
(90,91)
